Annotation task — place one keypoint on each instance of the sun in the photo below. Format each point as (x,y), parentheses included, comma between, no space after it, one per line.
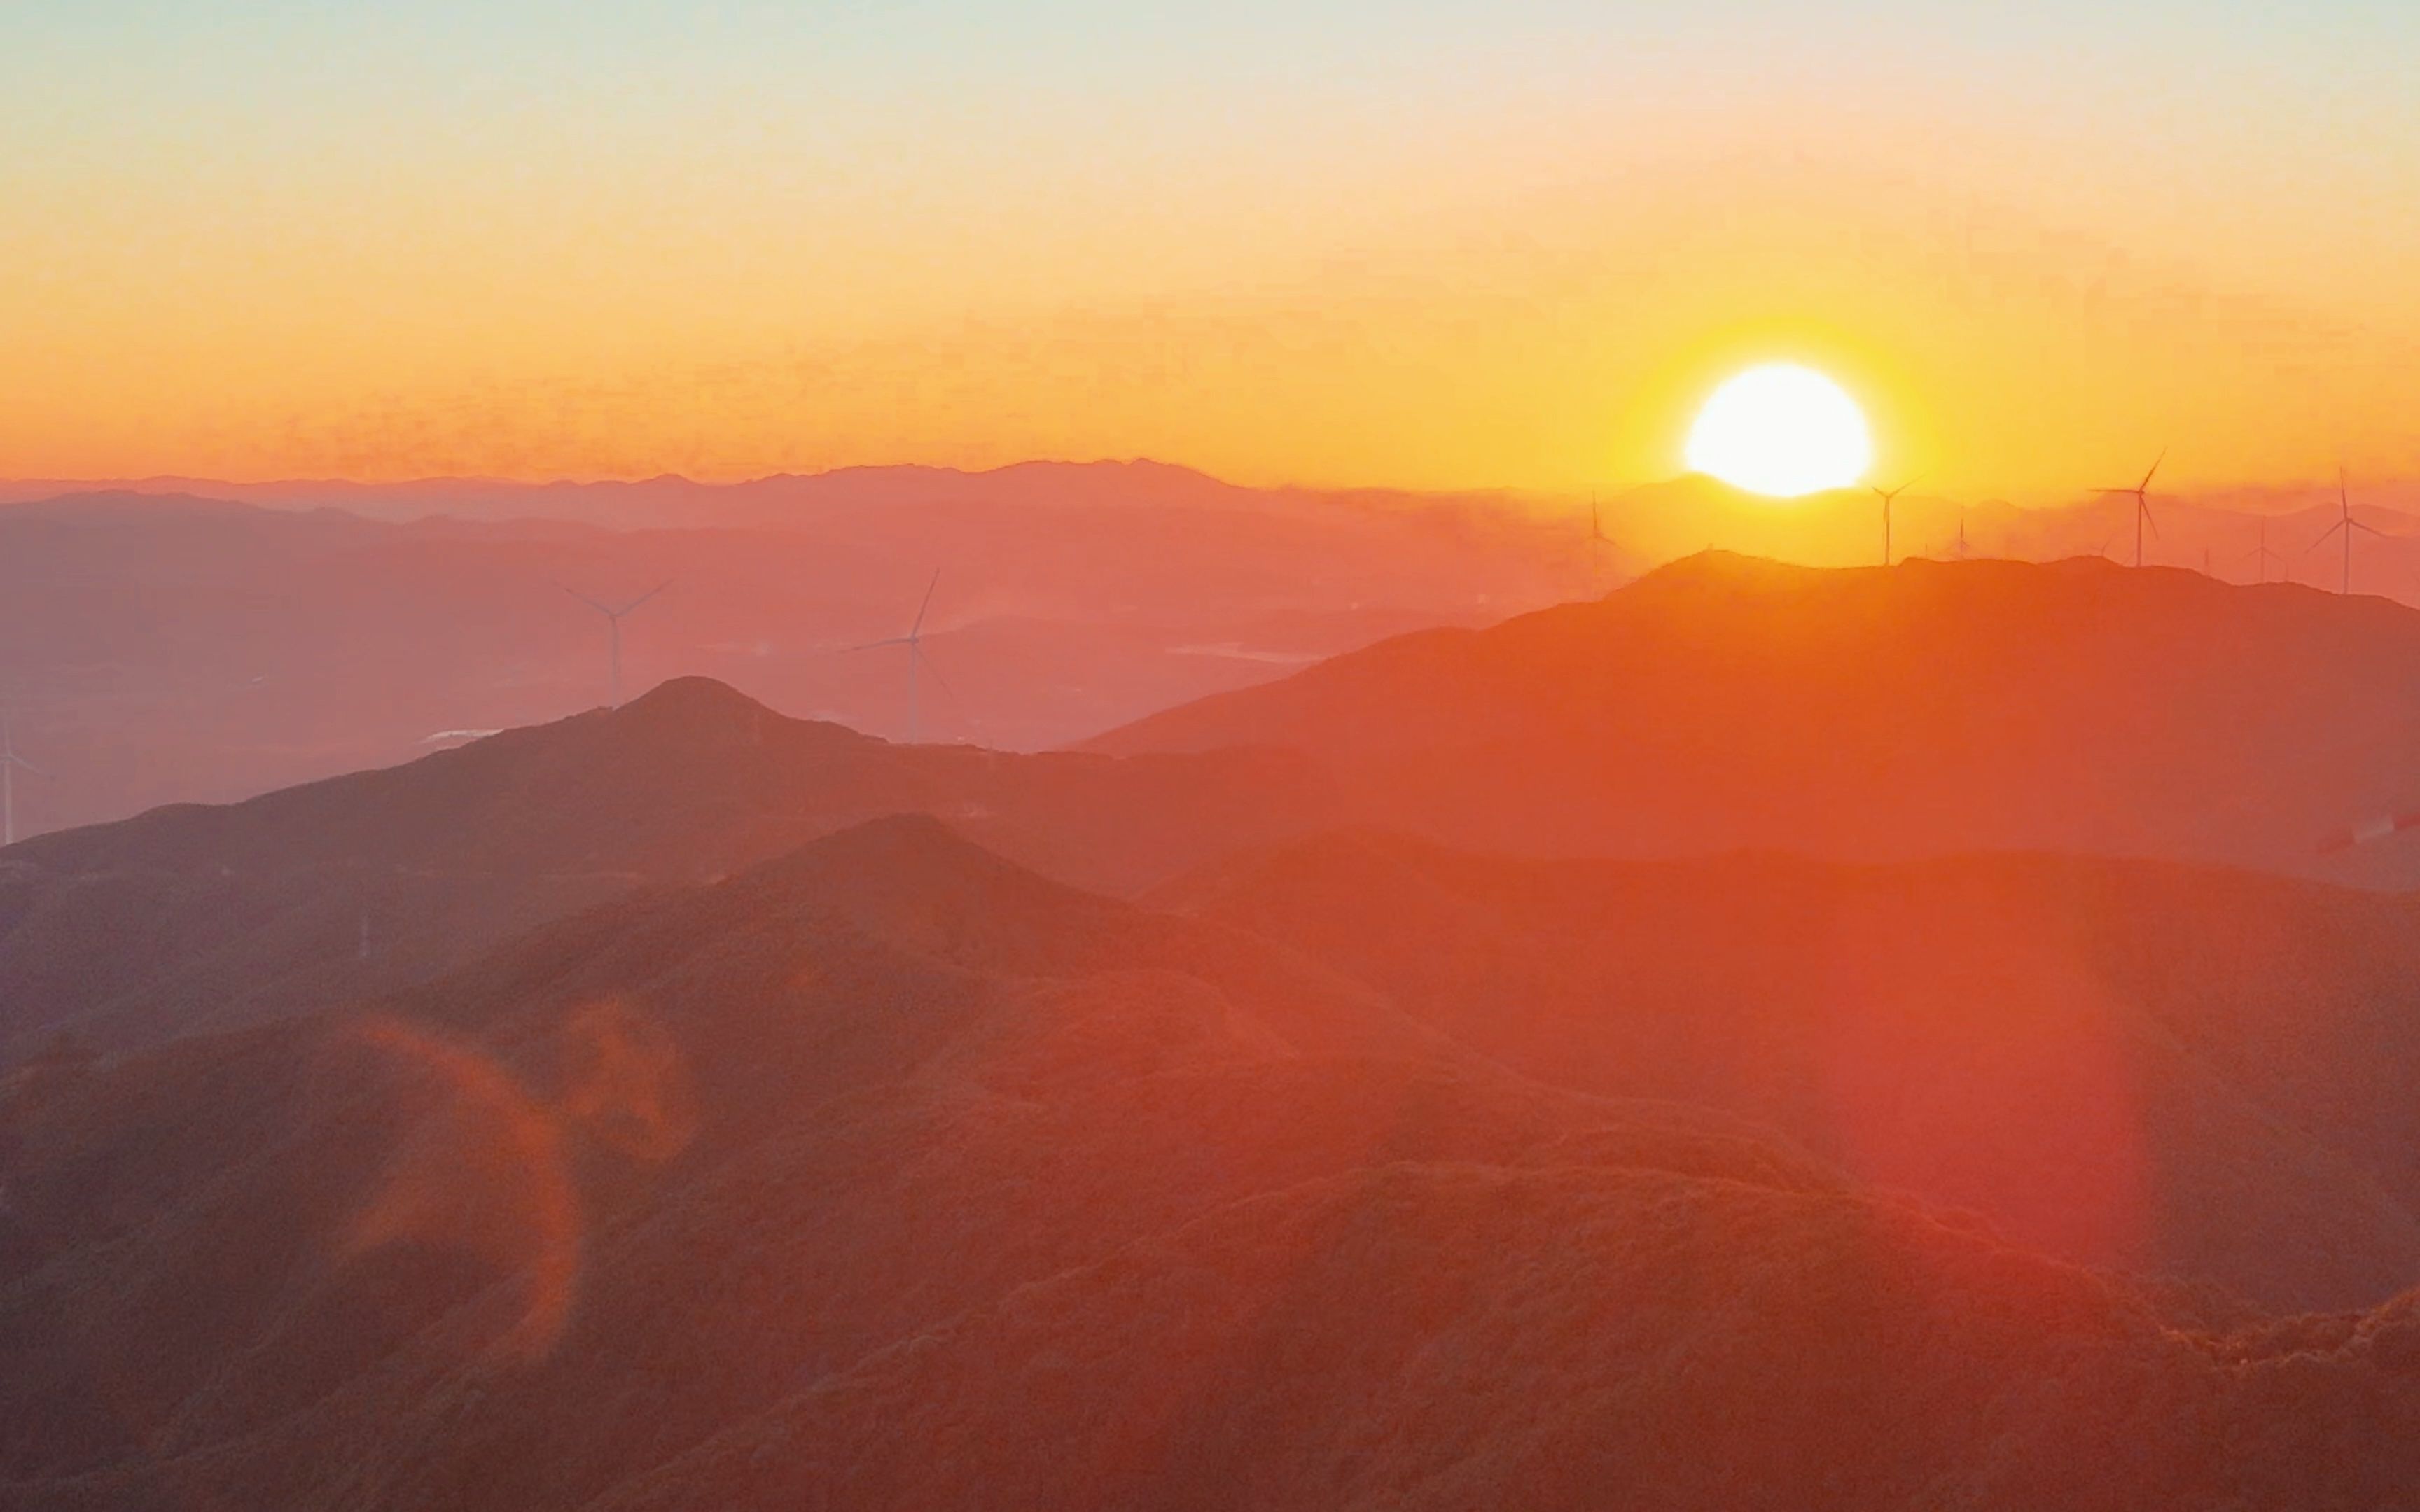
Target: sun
(1782,430)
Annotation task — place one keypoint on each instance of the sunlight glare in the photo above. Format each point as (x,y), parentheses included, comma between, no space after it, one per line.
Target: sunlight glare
(1782,430)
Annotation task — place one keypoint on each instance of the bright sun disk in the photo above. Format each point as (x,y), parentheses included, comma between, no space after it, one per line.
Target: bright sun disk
(1782,430)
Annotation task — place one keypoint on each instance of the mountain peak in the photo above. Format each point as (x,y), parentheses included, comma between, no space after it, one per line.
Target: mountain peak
(695,699)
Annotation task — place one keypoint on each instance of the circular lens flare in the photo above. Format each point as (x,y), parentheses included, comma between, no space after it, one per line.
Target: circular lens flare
(1782,430)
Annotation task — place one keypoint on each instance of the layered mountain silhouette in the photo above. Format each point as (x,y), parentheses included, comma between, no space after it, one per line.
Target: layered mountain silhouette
(888,1174)
(1929,708)
(190,917)
(682,1106)
(183,649)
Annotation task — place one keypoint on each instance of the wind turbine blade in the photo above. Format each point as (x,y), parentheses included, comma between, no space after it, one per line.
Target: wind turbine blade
(2155,469)
(29,766)
(2149,519)
(590,602)
(917,628)
(2323,537)
(876,645)
(642,598)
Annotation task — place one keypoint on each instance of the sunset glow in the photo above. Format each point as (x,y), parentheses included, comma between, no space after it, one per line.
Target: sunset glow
(1460,248)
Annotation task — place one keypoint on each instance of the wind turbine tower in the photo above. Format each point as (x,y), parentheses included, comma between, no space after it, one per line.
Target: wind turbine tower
(9,763)
(2141,493)
(2346,523)
(1887,496)
(614,616)
(914,641)
(1599,543)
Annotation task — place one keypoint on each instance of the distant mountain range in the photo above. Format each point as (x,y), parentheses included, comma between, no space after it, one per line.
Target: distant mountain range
(181,640)
(165,648)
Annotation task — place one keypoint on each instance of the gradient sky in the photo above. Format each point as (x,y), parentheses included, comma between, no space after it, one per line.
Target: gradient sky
(1421,244)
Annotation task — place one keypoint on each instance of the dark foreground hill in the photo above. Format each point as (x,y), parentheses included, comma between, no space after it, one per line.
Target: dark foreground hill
(537,1229)
(888,1175)
(2159,1066)
(192,916)
(1932,708)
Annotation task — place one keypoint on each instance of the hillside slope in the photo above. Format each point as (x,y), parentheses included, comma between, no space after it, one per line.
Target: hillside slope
(1932,708)
(540,1228)
(194,916)
(2147,1065)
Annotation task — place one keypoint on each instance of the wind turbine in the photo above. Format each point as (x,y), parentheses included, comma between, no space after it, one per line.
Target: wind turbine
(2261,554)
(914,641)
(2346,523)
(2141,495)
(1599,543)
(1596,525)
(613,618)
(9,763)
(1887,496)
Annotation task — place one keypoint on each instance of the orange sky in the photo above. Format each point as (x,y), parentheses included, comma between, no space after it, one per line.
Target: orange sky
(1420,247)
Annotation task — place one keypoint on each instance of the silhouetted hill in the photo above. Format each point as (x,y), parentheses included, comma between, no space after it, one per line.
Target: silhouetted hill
(528,1232)
(2156,1067)
(1931,708)
(191,915)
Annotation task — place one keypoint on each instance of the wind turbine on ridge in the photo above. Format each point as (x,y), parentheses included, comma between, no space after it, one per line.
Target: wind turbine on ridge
(2346,523)
(1887,496)
(9,763)
(914,641)
(613,618)
(2261,555)
(2141,495)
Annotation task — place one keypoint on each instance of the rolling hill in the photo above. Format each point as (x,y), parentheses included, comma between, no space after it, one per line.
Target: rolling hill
(887,1174)
(1932,708)
(192,916)
(508,1239)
